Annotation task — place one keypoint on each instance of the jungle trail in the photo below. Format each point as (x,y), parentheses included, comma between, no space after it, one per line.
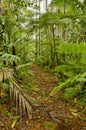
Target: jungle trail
(27,104)
(36,110)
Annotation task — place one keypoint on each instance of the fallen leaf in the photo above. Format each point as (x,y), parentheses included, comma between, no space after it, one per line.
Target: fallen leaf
(14,123)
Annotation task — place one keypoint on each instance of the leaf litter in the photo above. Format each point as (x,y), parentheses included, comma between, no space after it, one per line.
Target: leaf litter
(55,113)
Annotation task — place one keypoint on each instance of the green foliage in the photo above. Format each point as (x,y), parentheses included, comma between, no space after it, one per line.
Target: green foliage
(25,74)
(23,71)
(72,70)
(4,92)
(49,125)
(4,86)
(73,85)
(60,87)
(71,48)
(34,88)
(72,92)
(22,66)
(82,98)
(31,87)
(49,18)
(32,32)
(9,59)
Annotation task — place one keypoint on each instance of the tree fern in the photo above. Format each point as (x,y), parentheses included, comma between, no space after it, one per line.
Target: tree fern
(9,59)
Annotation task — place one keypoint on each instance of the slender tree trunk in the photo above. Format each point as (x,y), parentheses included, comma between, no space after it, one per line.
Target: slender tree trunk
(54,48)
(13,53)
(64,25)
(64,6)
(39,30)
(20,42)
(36,54)
(58,10)
(64,29)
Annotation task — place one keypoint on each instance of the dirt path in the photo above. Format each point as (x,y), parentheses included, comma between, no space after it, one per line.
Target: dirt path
(56,108)
(53,114)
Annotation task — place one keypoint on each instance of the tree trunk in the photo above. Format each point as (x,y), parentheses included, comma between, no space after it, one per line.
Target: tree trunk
(36,54)
(39,31)
(13,53)
(64,33)
(54,48)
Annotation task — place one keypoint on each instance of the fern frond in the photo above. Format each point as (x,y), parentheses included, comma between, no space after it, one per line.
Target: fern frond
(69,82)
(71,92)
(23,66)
(9,58)
(60,87)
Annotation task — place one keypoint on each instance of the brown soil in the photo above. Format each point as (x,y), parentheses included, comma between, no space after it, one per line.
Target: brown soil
(54,113)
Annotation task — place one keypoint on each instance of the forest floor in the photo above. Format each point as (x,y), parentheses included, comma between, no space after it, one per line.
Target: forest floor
(54,113)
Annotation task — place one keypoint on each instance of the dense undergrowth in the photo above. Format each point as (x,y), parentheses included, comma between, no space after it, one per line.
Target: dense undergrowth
(45,39)
(71,71)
